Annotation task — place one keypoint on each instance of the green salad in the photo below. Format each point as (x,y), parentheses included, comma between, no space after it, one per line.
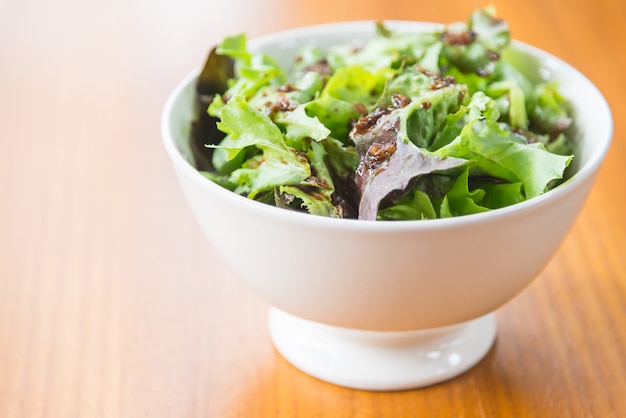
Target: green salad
(405,126)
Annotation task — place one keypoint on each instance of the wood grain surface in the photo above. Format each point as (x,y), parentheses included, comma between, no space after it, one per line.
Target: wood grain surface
(113,305)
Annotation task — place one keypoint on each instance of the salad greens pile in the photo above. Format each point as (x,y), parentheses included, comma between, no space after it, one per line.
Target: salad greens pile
(405,126)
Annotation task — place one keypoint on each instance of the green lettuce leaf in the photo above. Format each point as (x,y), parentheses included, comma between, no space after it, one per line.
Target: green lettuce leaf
(476,46)
(298,125)
(460,200)
(497,153)
(548,109)
(499,195)
(277,165)
(346,94)
(252,71)
(315,193)
(414,206)
(511,102)
(426,116)
(389,51)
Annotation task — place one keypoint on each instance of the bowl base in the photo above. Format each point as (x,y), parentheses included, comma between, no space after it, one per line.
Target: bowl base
(379,360)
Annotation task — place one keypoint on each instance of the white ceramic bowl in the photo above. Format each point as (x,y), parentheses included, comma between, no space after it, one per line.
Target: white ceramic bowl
(389,305)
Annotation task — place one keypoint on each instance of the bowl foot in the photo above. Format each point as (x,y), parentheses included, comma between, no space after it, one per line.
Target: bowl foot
(381,361)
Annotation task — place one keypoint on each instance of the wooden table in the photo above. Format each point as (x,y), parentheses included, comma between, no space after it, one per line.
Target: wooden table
(113,305)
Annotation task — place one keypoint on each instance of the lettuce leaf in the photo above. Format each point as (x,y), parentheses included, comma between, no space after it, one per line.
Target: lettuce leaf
(475,46)
(416,205)
(347,94)
(252,71)
(315,193)
(389,50)
(297,126)
(277,165)
(388,163)
(499,154)
(548,110)
(460,200)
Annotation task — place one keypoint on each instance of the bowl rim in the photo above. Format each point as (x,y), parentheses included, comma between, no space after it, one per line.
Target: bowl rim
(584,173)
